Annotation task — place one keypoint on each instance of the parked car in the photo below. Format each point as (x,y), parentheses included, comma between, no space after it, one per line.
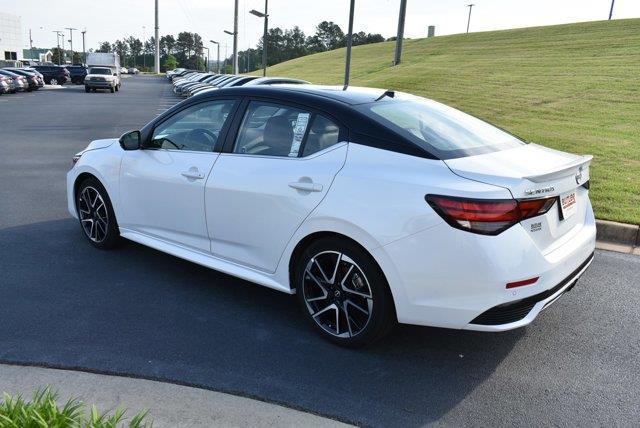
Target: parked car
(78,73)
(373,206)
(134,70)
(16,81)
(123,70)
(33,80)
(53,74)
(101,78)
(5,84)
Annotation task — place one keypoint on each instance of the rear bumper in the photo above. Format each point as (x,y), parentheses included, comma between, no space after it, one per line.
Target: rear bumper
(444,277)
(521,312)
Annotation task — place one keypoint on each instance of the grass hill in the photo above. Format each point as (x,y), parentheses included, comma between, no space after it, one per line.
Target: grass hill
(574,87)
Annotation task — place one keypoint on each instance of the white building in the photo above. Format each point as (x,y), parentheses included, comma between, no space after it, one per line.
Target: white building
(10,37)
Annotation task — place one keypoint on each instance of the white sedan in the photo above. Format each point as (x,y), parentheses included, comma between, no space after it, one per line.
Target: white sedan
(372,206)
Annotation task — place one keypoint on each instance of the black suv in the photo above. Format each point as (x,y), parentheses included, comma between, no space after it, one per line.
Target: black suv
(53,74)
(78,73)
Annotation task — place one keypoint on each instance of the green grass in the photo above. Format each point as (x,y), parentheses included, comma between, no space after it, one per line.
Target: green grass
(43,412)
(572,87)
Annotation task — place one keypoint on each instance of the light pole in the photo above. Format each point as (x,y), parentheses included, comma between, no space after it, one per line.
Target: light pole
(235,52)
(347,65)
(264,15)
(157,29)
(84,52)
(611,10)
(470,6)
(58,43)
(400,35)
(71,40)
(144,47)
(218,63)
(235,38)
(206,68)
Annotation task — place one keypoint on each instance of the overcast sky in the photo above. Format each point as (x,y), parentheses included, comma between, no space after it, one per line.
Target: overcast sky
(114,19)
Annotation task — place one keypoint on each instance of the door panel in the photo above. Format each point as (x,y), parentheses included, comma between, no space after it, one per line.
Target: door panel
(254,204)
(162,194)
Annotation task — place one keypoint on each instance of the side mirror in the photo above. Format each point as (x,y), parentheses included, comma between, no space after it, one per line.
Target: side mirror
(130,140)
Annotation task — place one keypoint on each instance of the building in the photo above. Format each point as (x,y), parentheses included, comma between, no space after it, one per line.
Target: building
(10,37)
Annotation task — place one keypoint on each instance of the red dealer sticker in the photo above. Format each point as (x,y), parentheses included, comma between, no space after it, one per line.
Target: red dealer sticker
(568,204)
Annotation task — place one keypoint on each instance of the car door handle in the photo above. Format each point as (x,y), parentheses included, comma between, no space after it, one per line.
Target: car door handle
(192,175)
(305,186)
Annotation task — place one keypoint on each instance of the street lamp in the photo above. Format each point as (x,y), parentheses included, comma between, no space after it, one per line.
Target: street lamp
(216,43)
(84,52)
(235,52)
(58,42)
(264,15)
(470,6)
(206,68)
(71,40)
(347,63)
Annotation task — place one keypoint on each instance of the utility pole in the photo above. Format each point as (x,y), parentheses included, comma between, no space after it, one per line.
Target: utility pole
(71,40)
(84,51)
(400,36)
(611,10)
(235,39)
(264,15)
(218,63)
(347,65)
(157,28)
(470,6)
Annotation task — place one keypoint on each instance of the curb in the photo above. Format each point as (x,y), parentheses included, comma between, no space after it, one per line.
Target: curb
(621,237)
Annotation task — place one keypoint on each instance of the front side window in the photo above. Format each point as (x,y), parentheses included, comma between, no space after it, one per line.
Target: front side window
(441,130)
(196,128)
(270,129)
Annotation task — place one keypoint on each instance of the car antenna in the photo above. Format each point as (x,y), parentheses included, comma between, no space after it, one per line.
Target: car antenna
(388,93)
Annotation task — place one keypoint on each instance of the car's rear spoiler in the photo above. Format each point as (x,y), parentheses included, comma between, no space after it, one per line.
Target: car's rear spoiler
(563,171)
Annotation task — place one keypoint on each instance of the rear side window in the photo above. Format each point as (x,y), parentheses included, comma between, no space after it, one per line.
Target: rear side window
(441,130)
(271,129)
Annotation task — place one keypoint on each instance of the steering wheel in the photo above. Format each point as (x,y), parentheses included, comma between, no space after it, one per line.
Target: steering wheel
(202,136)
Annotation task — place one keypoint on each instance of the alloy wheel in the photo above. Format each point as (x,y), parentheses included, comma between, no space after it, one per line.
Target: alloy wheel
(94,215)
(337,294)
(53,81)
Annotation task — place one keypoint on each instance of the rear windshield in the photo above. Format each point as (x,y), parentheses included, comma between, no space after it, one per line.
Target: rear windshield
(441,130)
(100,71)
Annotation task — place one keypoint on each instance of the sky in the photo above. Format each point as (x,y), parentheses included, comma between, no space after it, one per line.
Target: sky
(209,18)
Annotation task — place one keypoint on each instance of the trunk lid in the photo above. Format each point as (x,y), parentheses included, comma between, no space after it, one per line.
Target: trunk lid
(533,171)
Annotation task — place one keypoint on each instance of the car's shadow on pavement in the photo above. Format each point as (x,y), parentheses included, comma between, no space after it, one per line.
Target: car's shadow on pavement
(135,311)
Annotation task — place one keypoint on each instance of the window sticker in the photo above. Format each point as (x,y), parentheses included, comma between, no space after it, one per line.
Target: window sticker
(298,133)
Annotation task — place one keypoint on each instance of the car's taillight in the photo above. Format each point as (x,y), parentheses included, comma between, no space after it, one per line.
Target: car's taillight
(487,216)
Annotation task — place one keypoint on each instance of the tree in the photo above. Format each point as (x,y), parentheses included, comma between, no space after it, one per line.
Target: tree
(104,47)
(329,35)
(57,57)
(170,62)
(122,49)
(78,58)
(135,47)
(167,44)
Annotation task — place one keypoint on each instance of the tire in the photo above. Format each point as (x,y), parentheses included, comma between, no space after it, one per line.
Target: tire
(117,88)
(53,81)
(335,277)
(87,89)
(93,89)
(112,90)
(95,214)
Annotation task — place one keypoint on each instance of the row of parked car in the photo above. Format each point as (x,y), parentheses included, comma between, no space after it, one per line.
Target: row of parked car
(187,83)
(14,79)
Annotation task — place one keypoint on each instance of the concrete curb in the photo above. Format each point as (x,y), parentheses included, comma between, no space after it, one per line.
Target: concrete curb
(619,237)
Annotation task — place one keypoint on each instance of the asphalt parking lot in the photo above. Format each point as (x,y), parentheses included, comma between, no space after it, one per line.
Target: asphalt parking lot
(138,312)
